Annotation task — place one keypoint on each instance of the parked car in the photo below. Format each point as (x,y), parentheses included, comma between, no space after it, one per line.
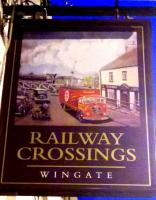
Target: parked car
(23,105)
(41,96)
(41,111)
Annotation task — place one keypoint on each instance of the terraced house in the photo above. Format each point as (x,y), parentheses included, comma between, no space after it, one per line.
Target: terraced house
(120,82)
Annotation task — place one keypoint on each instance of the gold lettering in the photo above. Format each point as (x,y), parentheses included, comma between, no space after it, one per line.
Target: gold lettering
(104,138)
(89,153)
(38,153)
(117,154)
(132,157)
(80,153)
(22,153)
(70,154)
(52,137)
(89,139)
(104,156)
(117,138)
(35,138)
(63,138)
(58,152)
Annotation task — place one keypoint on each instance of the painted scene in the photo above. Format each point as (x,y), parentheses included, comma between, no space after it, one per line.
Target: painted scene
(79,79)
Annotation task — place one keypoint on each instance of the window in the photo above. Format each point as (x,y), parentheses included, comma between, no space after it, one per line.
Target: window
(111,94)
(137,100)
(124,75)
(110,76)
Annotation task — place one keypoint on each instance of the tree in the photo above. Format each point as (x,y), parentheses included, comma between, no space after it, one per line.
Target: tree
(88,81)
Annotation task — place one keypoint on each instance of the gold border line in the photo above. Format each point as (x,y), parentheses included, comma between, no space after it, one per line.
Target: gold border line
(146,116)
(62,166)
(145,99)
(76,184)
(8,114)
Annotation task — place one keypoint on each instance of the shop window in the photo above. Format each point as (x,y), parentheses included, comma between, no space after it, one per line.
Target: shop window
(111,94)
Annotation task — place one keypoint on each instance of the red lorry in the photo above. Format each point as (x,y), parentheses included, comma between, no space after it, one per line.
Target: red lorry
(87,103)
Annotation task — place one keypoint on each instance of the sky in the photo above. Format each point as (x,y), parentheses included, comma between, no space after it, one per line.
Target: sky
(62,56)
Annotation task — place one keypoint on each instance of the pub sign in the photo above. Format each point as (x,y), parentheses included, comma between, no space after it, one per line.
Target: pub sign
(76,115)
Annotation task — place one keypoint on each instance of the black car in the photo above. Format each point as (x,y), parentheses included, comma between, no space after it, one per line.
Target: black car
(41,96)
(23,106)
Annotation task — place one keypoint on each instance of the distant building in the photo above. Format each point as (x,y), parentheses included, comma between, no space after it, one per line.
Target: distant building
(67,80)
(50,78)
(119,81)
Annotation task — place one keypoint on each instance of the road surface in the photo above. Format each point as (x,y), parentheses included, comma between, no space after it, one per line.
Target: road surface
(59,117)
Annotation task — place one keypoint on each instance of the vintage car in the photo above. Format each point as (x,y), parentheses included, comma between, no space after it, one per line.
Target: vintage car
(23,106)
(41,96)
(41,111)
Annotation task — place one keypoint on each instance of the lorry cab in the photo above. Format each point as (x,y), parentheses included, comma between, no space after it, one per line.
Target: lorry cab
(92,108)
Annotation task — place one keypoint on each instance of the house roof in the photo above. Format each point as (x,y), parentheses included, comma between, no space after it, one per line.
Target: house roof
(128,59)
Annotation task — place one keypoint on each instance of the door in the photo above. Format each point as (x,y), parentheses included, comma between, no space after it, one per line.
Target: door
(125,99)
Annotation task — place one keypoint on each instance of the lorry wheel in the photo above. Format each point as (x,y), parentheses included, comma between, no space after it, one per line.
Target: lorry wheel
(79,116)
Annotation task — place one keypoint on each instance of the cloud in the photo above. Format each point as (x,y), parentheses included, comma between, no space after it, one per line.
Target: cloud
(82,55)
